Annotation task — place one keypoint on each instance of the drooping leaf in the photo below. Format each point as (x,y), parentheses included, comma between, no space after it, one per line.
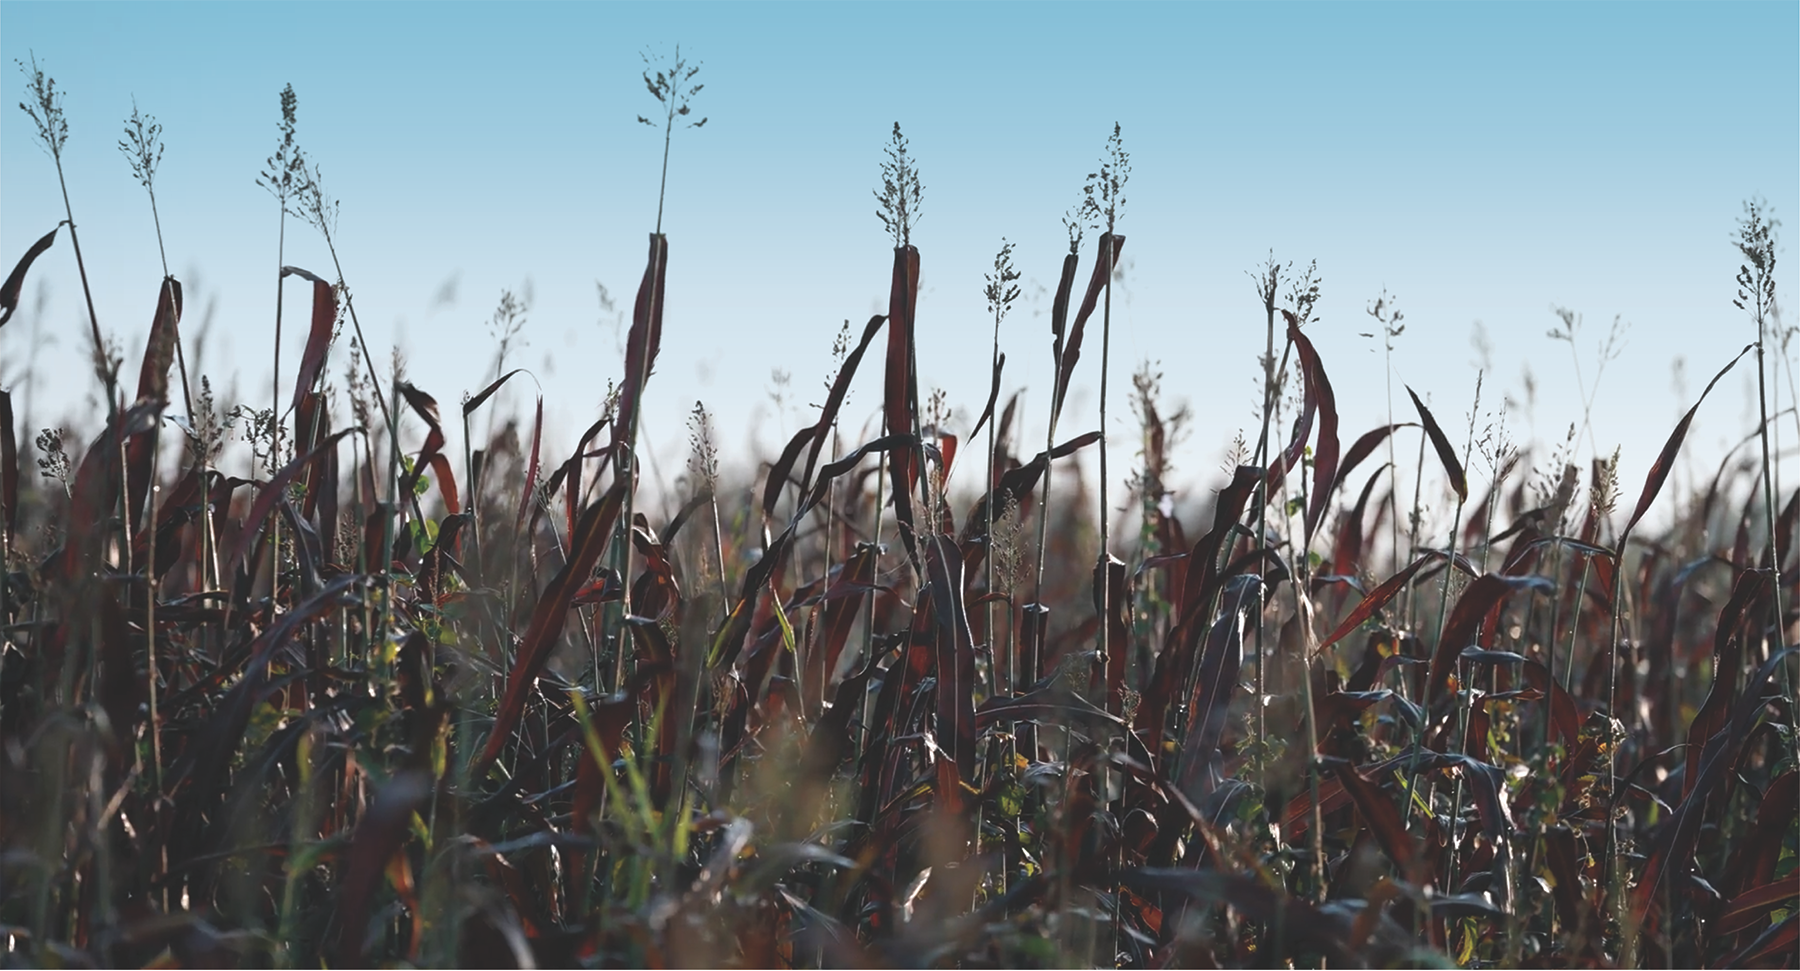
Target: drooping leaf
(1106,258)
(993,396)
(644,340)
(1325,454)
(1365,446)
(1381,815)
(1665,460)
(834,399)
(779,472)
(159,350)
(1471,608)
(1446,454)
(1379,598)
(1015,486)
(431,454)
(272,491)
(493,387)
(318,335)
(15,281)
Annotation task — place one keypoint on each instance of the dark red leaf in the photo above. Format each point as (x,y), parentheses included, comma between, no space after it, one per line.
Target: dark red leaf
(1106,257)
(273,490)
(843,602)
(1743,911)
(1778,941)
(1325,453)
(318,336)
(159,350)
(1484,594)
(834,400)
(1214,684)
(645,339)
(586,543)
(379,836)
(1747,595)
(9,469)
(1112,600)
(1665,461)
(955,654)
(993,396)
(1565,718)
(431,453)
(480,399)
(1446,454)
(1381,815)
(1378,598)
(15,281)
(1754,860)
(1363,447)
(779,472)
(1674,843)
(899,395)
(529,493)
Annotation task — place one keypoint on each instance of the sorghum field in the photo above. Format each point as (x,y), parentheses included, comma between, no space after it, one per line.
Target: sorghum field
(412,684)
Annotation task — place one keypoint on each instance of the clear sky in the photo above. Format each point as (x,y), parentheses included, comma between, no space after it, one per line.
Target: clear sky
(1481,163)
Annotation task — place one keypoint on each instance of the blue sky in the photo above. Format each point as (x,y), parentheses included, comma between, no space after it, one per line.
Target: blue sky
(1479,162)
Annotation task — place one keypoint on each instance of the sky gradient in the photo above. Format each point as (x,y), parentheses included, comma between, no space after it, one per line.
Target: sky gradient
(1481,163)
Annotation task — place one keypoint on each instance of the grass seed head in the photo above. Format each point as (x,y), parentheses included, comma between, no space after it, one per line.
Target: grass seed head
(45,108)
(901,191)
(670,83)
(1002,284)
(142,146)
(285,173)
(1103,198)
(1755,241)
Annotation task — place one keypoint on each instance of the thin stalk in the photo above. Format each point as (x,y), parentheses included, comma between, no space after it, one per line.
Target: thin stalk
(387,417)
(275,403)
(150,632)
(1105,509)
(1465,711)
(1267,286)
(1614,875)
(108,377)
(1412,785)
(994,655)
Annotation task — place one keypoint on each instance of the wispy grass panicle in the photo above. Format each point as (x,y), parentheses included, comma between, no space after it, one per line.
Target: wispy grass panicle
(1102,206)
(1391,323)
(1103,198)
(142,147)
(506,327)
(1073,225)
(45,108)
(284,174)
(1002,288)
(1756,242)
(899,198)
(671,84)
